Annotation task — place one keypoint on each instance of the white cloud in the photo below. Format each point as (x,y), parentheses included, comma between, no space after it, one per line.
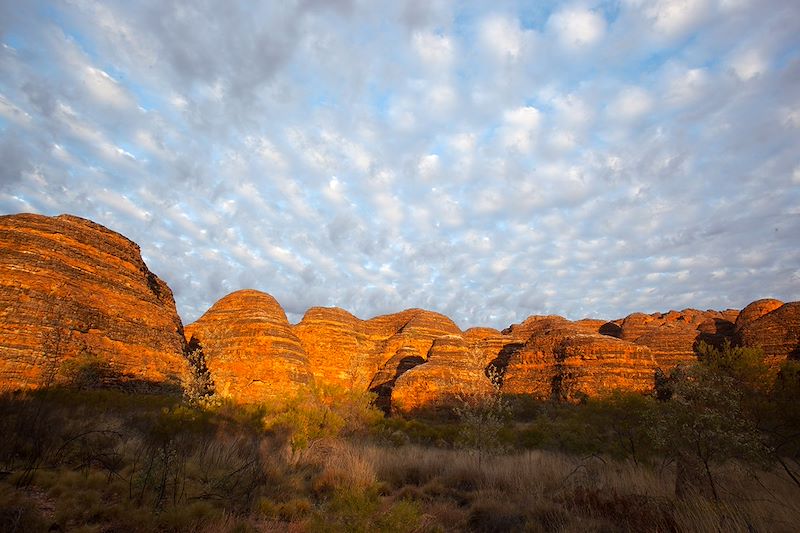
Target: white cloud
(503,37)
(434,50)
(673,18)
(520,128)
(630,104)
(748,64)
(688,86)
(428,167)
(104,88)
(448,157)
(13,113)
(577,28)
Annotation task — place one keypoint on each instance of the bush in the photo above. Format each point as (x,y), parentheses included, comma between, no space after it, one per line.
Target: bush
(323,412)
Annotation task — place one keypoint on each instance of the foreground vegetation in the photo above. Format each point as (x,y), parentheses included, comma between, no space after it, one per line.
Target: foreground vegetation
(716,449)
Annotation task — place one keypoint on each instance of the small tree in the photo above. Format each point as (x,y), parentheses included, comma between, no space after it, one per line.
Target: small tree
(199,389)
(708,420)
(482,414)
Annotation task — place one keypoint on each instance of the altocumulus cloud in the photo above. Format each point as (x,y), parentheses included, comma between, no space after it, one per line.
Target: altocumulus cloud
(485,160)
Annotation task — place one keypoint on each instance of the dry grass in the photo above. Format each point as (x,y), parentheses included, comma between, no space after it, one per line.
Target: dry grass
(547,491)
(142,466)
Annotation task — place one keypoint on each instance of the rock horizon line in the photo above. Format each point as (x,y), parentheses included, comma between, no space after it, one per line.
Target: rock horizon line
(72,289)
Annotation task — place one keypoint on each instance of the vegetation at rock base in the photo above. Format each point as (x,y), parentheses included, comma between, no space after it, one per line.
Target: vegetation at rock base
(716,449)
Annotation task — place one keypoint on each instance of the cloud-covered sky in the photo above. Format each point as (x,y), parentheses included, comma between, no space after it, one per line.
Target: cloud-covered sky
(487,160)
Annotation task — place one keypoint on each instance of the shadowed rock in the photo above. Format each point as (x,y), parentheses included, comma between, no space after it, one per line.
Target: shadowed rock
(777,333)
(673,336)
(452,369)
(350,352)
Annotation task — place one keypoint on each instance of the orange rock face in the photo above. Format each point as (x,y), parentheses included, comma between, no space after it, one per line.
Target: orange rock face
(452,370)
(755,310)
(337,346)
(250,349)
(673,336)
(776,332)
(368,354)
(561,361)
(69,288)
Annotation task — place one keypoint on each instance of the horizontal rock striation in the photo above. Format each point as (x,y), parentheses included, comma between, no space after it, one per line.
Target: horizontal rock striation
(776,332)
(452,373)
(673,336)
(73,289)
(755,310)
(561,361)
(250,349)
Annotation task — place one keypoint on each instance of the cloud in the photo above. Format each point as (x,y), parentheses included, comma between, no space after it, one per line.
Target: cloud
(594,158)
(577,28)
(502,37)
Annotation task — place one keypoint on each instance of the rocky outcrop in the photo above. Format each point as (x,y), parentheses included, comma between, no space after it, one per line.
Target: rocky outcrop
(671,344)
(673,336)
(72,289)
(755,310)
(776,332)
(561,361)
(250,349)
(338,347)
(453,372)
(369,354)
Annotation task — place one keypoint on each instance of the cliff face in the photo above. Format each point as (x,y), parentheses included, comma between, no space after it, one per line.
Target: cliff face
(419,359)
(776,332)
(71,288)
(561,361)
(453,370)
(673,336)
(250,349)
(369,354)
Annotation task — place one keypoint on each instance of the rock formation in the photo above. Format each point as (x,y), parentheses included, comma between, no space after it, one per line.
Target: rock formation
(776,332)
(755,310)
(672,336)
(561,361)
(72,289)
(452,372)
(250,349)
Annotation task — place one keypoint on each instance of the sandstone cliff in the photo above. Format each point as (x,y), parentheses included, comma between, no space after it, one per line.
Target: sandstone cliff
(452,370)
(672,336)
(369,354)
(776,332)
(250,349)
(72,288)
(561,361)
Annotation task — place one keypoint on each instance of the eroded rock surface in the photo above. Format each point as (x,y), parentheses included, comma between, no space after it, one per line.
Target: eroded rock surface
(561,361)
(755,310)
(250,348)
(673,336)
(73,289)
(453,372)
(776,332)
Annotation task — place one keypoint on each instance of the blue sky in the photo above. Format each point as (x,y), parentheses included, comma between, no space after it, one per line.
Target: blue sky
(487,160)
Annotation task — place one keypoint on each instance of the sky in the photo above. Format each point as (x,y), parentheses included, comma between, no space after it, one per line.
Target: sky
(486,160)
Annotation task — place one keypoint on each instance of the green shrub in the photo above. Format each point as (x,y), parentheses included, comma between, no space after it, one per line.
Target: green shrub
(323,412)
